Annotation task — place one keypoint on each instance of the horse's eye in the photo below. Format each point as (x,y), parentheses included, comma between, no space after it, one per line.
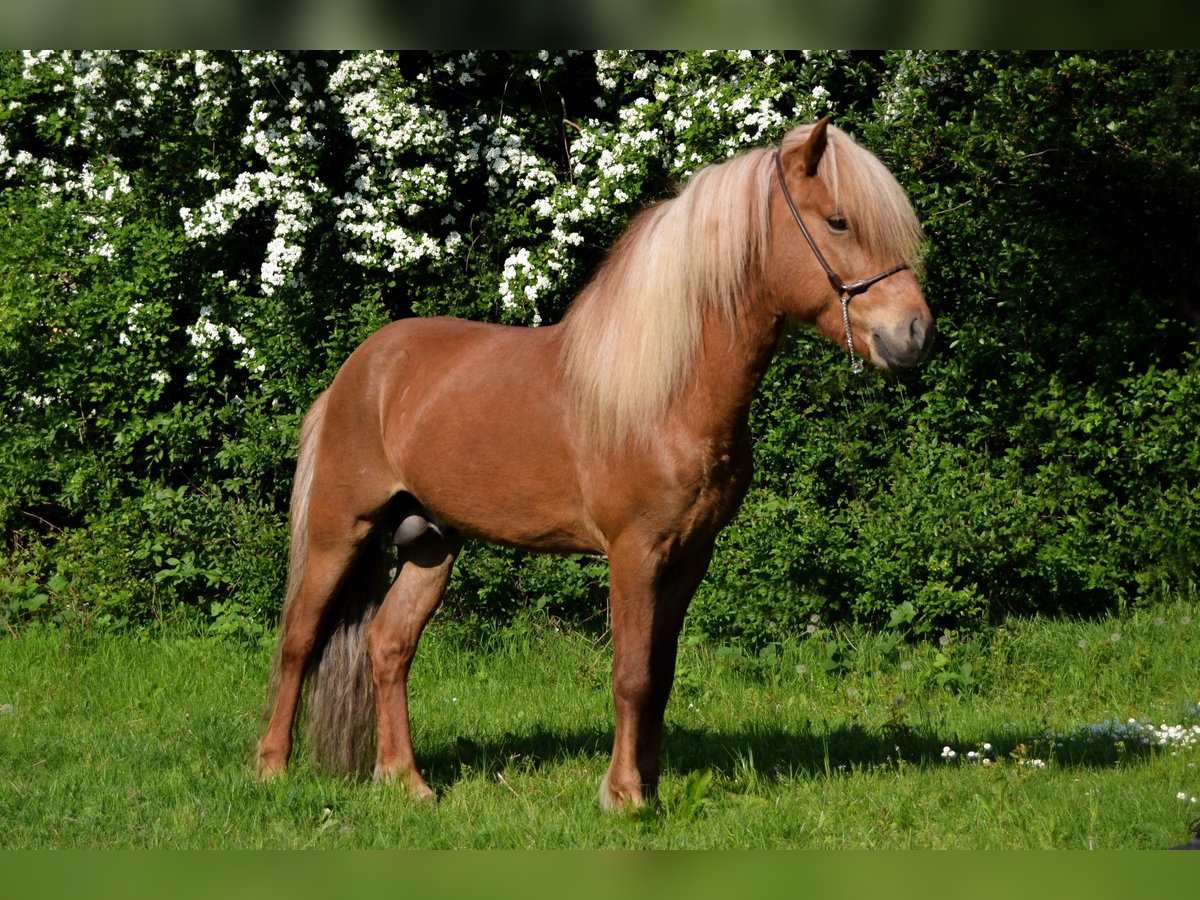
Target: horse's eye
(837,222)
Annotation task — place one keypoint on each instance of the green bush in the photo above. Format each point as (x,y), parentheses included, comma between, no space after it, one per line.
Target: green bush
(191,243)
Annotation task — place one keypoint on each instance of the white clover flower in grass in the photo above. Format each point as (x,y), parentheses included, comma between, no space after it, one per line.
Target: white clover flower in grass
(1131,731)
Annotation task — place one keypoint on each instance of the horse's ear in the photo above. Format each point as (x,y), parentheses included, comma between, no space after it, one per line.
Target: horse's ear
(814,147)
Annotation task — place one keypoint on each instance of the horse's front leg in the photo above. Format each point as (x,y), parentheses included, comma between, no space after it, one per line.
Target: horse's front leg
(649,598)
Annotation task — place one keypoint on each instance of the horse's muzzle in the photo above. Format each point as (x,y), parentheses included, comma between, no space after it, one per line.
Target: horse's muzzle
(903,345)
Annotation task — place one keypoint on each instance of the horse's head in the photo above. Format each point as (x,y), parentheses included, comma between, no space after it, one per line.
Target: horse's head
(843,248)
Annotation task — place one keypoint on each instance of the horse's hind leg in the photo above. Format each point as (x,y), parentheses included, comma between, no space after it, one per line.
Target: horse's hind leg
(425,567)
(328,562)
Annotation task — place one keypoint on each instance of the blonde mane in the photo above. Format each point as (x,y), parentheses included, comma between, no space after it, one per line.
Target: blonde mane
(630,337)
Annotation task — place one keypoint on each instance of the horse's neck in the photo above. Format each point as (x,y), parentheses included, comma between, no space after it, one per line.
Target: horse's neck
(731,361)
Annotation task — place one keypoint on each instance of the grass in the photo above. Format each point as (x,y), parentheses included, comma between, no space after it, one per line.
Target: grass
(836,741)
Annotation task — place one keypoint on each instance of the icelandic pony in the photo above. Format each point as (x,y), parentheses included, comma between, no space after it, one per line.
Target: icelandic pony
(622,430)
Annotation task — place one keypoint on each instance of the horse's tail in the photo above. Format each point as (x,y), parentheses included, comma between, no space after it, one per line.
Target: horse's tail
(340,706)
(340,710)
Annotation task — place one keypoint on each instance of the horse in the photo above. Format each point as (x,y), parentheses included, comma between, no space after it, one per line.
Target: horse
(622,430)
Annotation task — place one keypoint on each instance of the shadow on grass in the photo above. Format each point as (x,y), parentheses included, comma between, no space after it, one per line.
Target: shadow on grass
(769,753)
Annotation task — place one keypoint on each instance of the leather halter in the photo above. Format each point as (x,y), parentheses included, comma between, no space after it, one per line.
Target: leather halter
(844,291)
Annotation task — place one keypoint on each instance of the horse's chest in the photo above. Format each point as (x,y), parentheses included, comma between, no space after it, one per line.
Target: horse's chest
(710,491)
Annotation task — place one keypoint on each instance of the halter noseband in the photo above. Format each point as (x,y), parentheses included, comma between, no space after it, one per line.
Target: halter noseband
(844,291)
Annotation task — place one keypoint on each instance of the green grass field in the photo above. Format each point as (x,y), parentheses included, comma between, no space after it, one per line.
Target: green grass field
(836,741)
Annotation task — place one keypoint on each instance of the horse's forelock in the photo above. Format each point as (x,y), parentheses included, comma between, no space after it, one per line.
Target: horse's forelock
(869,196)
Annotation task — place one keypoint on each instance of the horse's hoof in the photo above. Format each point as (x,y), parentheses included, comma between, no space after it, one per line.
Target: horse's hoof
(417,789)
(269,771)
(615,802)
(424,795)
(607,802)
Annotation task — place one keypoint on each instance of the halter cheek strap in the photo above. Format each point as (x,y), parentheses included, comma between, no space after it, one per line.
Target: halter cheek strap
(841,288)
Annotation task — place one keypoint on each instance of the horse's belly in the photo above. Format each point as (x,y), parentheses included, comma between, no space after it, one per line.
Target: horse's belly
(521,500)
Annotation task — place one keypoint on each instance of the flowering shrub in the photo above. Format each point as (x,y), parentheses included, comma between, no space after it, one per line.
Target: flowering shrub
(194,241)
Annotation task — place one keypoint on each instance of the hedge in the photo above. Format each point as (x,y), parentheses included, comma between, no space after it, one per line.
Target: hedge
(192,242)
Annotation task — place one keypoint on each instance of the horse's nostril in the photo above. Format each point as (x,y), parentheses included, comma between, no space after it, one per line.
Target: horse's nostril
(917,331)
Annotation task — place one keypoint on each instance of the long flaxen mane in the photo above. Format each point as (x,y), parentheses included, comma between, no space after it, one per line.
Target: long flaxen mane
(631,334)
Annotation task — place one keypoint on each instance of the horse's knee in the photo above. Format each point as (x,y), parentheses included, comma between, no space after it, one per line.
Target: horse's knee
(631,685)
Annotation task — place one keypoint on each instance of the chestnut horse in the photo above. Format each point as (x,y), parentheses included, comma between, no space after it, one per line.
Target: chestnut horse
(622,430)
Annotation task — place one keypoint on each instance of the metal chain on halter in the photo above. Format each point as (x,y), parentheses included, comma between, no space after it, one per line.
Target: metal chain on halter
(856,363)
